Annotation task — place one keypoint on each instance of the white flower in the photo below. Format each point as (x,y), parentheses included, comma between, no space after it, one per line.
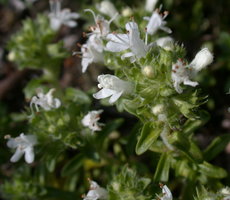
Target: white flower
(150,5)
(112,87)
(46,101)
(165,42)
(102,26)
(92,52)
(96,192)
(156,22)
(202,59)
(21,5)
(59,17)
(131,40)
(167,195)
(107,8)
(181,74)
(23,145)
(91,120)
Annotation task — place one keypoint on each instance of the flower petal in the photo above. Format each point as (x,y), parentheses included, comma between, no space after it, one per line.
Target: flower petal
(115,97)
(29,155)
(17,155)
(104,93)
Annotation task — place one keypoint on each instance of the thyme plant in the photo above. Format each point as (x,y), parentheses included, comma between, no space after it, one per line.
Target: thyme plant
(68,140)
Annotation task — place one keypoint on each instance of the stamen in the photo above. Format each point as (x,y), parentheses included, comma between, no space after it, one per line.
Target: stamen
(113,18)
(94,16)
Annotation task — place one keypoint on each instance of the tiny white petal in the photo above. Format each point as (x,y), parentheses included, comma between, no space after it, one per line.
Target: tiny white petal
(17,155)
(115,97)
(103,93)
(29,155)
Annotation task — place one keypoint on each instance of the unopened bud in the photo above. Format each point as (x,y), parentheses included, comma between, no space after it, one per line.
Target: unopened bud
(158,109)
(127,12)
(202,59)
(148,71)
(12,56)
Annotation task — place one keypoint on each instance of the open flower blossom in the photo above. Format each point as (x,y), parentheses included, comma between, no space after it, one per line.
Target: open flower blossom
(165,42)
(167,195)
(131,40)
(91,120)
(107,8)
(21,5)
(150,5)
(24,144)
(156,22)
(113,87)
(92,52)
(102,26)
(181,73)
(59,17)
(45,101)
(96,192)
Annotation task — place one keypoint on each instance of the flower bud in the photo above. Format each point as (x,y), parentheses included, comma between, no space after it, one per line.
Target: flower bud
(150,5)
(202,59)
(148,71)
(12,56)
(165,42)
(107,8)
(127,12)
(158,109)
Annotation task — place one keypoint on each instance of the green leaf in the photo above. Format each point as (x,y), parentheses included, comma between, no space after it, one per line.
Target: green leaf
(31,87)
(216,146)
(77,96)
(73,165)
(149,134)
(211,170)
(191,125)
(163,166)
(187,147)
